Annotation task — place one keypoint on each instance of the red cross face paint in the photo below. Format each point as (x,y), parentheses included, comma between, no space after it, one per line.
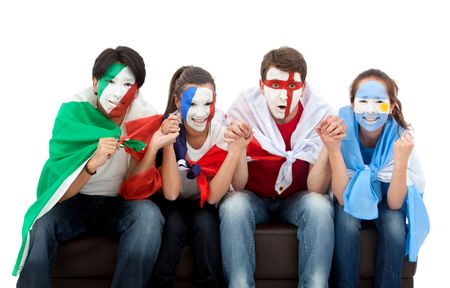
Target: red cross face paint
(116,89)
(282,91)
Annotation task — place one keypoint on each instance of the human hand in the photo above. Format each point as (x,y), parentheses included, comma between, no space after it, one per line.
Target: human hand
(106,147)
(332,130)
(159,140)
(171,124)
(238,134)
(403,148)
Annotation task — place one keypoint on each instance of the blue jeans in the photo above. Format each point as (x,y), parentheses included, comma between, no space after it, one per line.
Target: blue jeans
(186,222)
(391,228)
(138,225)
(312,213)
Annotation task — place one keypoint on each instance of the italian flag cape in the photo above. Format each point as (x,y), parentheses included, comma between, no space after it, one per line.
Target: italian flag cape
(77,128)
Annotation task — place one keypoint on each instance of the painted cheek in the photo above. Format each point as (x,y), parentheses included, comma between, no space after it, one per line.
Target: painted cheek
(384,107)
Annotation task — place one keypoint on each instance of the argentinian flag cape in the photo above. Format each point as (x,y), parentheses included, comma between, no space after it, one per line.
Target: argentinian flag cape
(76,131)
(251,106)
(363,192)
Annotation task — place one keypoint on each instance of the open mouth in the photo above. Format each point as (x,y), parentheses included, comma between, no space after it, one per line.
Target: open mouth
(371,120)
(281,107)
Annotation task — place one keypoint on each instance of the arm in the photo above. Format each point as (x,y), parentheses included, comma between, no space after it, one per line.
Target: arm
(234,169)
(220,183)
(170,174)
(331,130)
(105,149)
(397,189)
(143,178)
(319,176)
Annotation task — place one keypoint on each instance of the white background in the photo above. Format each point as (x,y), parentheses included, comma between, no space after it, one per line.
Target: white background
(48,48)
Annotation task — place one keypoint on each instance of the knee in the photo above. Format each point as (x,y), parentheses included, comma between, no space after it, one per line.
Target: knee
(205,223)
(235,207)
(394,227)
(345,222)
(145,217)
(317,207)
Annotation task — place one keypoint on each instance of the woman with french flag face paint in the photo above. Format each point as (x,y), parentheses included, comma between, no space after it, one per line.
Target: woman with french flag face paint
(116,89)
(197,171)
(282,91)
(197,106)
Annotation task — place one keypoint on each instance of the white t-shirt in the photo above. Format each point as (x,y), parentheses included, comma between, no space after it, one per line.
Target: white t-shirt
(109,177)
(189,187)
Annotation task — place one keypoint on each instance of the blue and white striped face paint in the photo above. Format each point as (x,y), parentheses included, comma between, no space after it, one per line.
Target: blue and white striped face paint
(196,107)
(371,105)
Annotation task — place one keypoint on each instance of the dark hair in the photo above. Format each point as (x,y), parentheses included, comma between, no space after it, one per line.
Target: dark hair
(286,59)
(392,90)
(182,77)
(124,55)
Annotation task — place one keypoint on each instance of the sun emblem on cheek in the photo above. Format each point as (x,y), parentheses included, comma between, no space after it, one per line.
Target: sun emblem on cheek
(384,107)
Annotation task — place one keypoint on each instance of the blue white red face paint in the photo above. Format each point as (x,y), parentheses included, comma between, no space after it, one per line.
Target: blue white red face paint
(283,91)
(371,105)
(116,89)
(197,107)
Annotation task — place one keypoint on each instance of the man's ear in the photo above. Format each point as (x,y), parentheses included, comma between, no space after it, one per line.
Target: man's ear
(261,86)
(95,85)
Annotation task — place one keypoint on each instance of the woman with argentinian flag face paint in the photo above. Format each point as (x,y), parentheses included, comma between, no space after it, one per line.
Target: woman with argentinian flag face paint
(197,171)
(375,175)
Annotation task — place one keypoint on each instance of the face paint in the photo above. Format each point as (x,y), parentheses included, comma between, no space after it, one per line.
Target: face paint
(282,91)
(197,107)
(371,105)
(116,89)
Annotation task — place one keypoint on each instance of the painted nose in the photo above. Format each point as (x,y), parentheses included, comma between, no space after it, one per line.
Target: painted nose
(371,107)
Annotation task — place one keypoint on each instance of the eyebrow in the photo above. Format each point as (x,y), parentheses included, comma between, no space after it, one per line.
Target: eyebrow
(375,97)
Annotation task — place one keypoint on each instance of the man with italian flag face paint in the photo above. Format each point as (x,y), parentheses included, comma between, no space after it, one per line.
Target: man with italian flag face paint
(116,89)
(282,91)
(102,154)
(197,107)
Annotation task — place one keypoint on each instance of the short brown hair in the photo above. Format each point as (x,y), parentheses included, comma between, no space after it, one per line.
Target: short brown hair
(286,59)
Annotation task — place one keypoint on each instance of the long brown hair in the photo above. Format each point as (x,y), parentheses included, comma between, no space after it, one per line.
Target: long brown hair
(181,78)
(392,90)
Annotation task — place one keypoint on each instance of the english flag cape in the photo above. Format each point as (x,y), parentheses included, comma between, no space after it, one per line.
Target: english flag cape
(76,131)
(251,106)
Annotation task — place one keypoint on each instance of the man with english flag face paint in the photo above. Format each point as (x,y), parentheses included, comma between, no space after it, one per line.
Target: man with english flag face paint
(283,112)
(102,152)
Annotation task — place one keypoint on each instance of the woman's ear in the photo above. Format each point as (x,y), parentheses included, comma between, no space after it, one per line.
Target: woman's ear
(177,101)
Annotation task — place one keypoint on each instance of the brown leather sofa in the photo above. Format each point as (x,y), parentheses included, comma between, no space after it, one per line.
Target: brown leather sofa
(89,261)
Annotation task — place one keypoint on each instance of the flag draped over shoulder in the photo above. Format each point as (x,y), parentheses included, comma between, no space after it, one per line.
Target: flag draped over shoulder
(206,166)
(363,192)
(251,106)
(77,129)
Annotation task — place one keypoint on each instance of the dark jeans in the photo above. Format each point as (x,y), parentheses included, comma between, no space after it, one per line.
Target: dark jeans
(391,228)
(138,224)
(187,222)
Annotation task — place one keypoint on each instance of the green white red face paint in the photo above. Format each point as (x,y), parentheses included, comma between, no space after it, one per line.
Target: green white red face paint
(116,89)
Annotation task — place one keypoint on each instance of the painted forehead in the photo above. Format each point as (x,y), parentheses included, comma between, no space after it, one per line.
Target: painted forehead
(275,73)
(371,89)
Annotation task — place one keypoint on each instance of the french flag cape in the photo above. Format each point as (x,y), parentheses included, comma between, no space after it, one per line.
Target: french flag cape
(206,166)
(76,131)
(251,106)
(363,192)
